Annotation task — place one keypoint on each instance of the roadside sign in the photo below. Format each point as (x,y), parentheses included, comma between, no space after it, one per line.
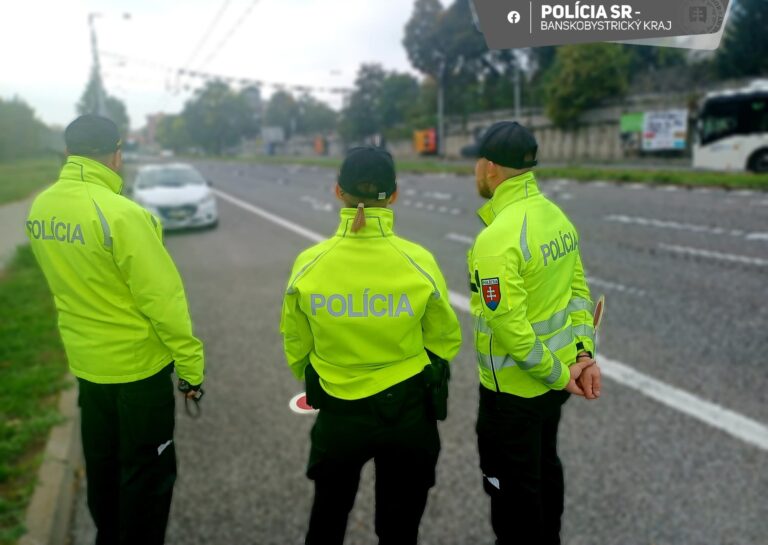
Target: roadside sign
(665,130)
(299,405)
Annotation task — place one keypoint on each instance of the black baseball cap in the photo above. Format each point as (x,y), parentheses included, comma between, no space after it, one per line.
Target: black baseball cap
(368,167)
(91,134)
(506,143)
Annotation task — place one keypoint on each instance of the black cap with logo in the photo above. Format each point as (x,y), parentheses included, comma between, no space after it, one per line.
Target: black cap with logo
(507,143)
(368,173)
(90,135)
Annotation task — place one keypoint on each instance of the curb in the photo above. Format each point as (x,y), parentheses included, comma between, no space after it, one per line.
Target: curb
(49,514)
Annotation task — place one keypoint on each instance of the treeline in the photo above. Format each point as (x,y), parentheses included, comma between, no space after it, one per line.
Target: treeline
(447,50)
(22,135)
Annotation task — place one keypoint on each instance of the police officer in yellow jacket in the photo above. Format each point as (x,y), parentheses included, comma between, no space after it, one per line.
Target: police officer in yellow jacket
(367,323)
(533,337)
(123,319)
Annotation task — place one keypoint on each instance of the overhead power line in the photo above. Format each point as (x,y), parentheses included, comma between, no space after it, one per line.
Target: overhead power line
(237,80)
(208,32)
(232,32)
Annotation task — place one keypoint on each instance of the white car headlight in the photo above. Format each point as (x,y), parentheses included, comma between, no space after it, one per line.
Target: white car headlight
(210,200)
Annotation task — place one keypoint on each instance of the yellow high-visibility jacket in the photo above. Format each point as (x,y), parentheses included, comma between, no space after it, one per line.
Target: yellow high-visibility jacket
(363,307)
(530,300)
(122,310)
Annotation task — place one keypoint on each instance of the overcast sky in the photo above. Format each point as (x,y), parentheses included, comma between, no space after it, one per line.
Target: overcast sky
(46,52)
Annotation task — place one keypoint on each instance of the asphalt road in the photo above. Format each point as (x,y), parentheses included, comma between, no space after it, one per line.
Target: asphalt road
(685,275)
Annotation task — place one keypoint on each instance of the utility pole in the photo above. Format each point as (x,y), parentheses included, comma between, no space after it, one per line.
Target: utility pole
(101,95)
(101,108)
(441,105)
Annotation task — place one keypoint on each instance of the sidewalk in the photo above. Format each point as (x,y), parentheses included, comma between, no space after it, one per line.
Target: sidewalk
(12,217)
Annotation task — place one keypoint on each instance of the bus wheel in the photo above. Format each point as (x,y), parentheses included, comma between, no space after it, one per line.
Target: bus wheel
(759,161)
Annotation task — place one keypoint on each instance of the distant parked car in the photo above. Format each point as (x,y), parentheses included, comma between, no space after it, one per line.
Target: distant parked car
(177,194)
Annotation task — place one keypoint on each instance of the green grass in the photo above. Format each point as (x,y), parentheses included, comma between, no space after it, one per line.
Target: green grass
(581,173)
(20,179)
(32,371)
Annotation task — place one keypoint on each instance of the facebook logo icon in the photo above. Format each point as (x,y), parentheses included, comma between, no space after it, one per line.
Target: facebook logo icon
(513,17)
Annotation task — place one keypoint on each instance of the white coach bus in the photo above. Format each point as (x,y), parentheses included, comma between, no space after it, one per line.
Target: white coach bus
(733,130)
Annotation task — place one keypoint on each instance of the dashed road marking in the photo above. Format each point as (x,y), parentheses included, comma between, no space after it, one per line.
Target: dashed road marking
(615,286)
(317,204)
(668,224)
(730,422)
(463,239)
(718,256)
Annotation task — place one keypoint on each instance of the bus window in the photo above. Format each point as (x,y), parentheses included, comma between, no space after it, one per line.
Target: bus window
(719,121)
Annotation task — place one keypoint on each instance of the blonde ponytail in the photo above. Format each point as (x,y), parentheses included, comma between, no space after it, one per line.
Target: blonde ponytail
(359,221)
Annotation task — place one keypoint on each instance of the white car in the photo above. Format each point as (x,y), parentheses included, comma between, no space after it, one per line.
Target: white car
(177,194)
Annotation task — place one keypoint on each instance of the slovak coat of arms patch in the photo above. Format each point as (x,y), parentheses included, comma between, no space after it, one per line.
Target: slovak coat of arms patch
(491,291)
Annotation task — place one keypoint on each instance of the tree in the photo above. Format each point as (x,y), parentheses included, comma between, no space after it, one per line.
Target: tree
(315,116)
(21,133)
(217,118)
(582,77)
(172,133)
(397,96)
(362,116)
(420,39)
(744,51)
(282,111)
(115,108)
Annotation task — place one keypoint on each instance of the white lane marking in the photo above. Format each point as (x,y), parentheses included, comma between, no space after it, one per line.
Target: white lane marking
(636,186)
(274,218)
(464,239)
(599,183)
(744,193)
(730,422)
(709,254)
(669,188)
(725,420)
(317,204)
(437,195)
(757,236)
(614,286)
(668,224)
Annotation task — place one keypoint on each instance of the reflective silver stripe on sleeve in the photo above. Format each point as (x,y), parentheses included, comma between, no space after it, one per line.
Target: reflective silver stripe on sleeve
(557,370)
(524,239)
(579,303)
(534,356)
(560,340)
(482,326)
(492,362)
(104,227)
(584,330)
(552,324)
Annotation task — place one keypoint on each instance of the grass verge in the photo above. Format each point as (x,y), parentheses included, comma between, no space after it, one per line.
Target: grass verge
(32,371)
(688,178)
(20,179)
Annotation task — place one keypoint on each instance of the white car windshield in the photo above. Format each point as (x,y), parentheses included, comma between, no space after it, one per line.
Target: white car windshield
(169,177)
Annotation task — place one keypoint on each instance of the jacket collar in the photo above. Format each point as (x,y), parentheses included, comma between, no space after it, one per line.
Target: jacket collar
(378,223)
(509,192)
(83,169)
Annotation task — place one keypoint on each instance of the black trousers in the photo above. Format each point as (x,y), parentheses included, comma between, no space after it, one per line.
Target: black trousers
(396,429)
(522,474)
(130,459)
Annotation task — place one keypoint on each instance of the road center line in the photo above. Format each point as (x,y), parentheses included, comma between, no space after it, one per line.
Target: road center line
(739,426)
(709,254)
(679,226)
